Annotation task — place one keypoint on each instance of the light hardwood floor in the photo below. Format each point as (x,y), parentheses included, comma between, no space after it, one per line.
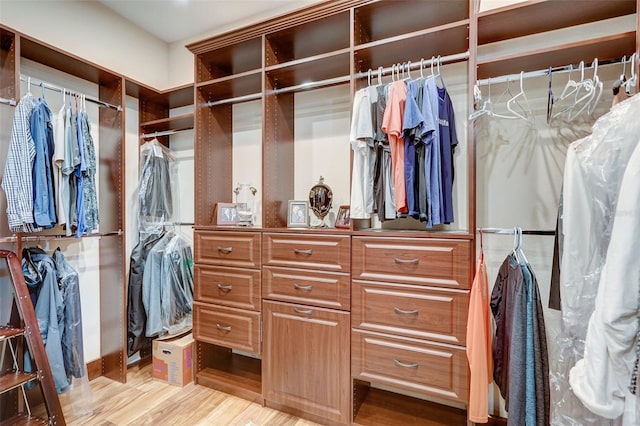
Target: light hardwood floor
(145,401)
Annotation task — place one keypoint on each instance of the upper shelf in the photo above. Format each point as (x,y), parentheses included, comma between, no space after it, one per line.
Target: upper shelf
(229,60)
(537,16)
(381,20)
(308,70)
(179,122)
(604,48)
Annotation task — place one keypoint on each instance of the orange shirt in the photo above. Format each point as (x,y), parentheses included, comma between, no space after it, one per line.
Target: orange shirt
(392,126)
(479,346)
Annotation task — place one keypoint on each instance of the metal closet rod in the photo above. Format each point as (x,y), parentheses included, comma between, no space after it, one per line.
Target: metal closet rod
(337,80)
(6,101)
(545,72)
(14,238)
(447,59)
(511,231)
(163,133)
(58,89)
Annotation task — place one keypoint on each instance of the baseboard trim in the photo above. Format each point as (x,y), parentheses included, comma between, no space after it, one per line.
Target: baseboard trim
(94,369)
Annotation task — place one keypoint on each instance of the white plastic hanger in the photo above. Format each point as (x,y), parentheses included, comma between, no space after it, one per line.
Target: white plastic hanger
(519,105)
(486,105)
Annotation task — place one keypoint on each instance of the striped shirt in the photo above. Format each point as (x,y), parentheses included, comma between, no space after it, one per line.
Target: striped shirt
(17,181)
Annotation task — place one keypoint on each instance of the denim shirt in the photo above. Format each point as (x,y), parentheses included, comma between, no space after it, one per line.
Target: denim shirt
(40,275)
(44,210)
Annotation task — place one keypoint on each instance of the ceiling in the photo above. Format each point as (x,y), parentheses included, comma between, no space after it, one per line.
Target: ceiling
(173,20)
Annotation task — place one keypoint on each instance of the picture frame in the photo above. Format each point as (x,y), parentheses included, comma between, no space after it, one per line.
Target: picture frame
(298,214)
(343,218)
(226,214)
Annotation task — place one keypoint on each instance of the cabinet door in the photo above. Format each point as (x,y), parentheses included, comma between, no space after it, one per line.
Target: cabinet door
(305,363)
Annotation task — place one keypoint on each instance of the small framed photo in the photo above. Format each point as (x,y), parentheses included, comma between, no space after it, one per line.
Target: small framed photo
(226,214)
(298,216)
(343,217)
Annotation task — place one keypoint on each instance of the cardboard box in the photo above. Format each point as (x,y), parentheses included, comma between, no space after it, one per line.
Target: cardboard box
(172,360)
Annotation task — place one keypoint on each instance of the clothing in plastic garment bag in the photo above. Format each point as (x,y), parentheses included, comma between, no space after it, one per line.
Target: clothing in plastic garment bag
(593,173)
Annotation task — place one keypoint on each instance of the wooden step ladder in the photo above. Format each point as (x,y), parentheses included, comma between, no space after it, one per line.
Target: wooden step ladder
(19,326)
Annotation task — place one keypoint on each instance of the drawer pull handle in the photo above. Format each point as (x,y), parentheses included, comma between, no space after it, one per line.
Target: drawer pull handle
(402,364)
(410,261)
(302,287)
(307,252)
(220,327)
(403,312)
(303,311)
(225,287)
(225,250)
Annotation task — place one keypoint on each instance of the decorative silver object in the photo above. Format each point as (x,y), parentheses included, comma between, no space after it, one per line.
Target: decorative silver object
(320,201)
(245,203)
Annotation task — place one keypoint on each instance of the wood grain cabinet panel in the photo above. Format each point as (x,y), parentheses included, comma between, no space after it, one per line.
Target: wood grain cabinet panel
(320,252)
(305,364)
(238,249)
(431,262)
(326,289)
(237,288)
(428,368)
(229,327)
(414,311)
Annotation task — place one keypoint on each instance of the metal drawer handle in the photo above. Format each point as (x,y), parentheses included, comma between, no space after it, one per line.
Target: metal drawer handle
(402,364)
(227,328)
(225,250)
(302,287)
(225,287)
(411,261)
(298,251)
(403,312)
(303,311)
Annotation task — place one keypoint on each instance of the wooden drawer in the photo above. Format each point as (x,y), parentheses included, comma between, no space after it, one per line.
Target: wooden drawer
(414,311)
(239,249)
(328,289)
(324,252)
(435,369)
(233,328)
(234,287)
(424,261)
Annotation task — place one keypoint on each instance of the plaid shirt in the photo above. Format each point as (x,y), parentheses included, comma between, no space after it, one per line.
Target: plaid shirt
(17,181)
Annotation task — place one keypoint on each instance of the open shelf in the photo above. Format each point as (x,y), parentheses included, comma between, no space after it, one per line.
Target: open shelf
(310,39)
(7,332)
(246,83)
(444,40)
(230,372)
(380,408)
(537,16)
(316,68)
(225,61)
(7,64)
(178,122)
(381,20)
(603,48)
(15,379)
(172,98)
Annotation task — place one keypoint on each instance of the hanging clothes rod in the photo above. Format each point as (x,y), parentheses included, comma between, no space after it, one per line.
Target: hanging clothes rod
(511,231)
(58,89)
(312,85)
(237,99)
(14,238)
(545,72)
(163,133)
(6,101)
(448,59)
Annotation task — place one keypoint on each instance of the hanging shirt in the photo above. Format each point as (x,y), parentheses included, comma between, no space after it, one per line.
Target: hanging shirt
(361,139)
(44,213)
(61,185)
(17,181)
(392,126)
(479,346)
(412,122)
(92,216)
(79,177)
(69,164)
(448,144)
(430,111)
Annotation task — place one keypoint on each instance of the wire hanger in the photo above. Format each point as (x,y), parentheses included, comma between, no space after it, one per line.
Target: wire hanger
(525,112)
(380,75)
(369,77)
(550,98)
(28,84)
(421,67)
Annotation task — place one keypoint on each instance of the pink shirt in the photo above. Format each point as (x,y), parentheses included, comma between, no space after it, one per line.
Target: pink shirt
(392,126)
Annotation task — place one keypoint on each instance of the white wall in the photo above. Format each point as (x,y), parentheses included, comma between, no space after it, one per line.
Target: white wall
(93,32)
